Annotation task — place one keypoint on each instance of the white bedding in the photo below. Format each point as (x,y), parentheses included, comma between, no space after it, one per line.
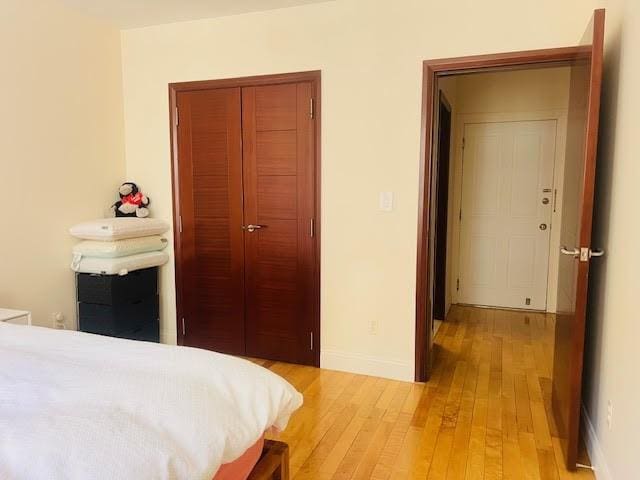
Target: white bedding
(81,406)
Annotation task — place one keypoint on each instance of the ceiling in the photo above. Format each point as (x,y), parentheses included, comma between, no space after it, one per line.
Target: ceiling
(141,13)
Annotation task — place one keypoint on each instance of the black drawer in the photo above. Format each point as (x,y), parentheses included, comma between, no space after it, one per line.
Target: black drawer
(116,289)
(137,320)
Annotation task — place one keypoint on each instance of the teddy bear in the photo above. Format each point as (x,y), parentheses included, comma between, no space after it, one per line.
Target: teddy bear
(132,202)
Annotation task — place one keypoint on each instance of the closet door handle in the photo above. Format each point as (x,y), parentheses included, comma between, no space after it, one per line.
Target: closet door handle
(251,227)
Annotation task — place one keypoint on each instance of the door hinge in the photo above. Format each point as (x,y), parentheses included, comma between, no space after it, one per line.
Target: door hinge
(311,339)
(460,215)
(312,228)
(457,285)
(311,108)
(464,142)
(180,223)
(184,328)
(177,117)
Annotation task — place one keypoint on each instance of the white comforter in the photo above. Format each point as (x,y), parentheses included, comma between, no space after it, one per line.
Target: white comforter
(80,406)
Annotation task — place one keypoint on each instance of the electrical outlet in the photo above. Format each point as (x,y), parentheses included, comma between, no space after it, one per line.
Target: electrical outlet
(373,327)
(609,414)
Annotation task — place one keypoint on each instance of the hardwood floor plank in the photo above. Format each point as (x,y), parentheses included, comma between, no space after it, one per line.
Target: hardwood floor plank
(484,414)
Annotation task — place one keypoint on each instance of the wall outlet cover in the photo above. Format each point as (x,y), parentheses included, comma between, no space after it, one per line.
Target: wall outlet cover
(386,201)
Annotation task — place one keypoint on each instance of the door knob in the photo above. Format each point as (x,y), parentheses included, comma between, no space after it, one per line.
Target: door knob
(251,227)
(542,226)
(584,253)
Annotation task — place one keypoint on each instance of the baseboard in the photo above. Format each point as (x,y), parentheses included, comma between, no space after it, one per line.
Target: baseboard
(366,365)
(598,460)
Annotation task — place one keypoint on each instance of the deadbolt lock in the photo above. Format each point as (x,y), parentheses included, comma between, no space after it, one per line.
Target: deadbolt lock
(545,201)
(543,226)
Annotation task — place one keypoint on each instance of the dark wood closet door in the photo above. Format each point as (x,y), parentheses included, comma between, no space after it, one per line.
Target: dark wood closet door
(279,192)
(212,251)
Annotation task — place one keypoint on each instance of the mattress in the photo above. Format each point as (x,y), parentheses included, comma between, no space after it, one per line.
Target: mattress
(241,468)
(120,248)
(119,265)
(76,406)
(106,229)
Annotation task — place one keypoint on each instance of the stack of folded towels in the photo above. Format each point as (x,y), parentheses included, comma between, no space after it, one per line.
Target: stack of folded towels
(117,246)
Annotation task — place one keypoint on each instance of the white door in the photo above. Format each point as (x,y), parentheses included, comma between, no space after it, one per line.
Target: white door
(507,183)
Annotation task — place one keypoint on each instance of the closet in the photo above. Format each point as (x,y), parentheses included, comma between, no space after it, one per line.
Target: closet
(245,202)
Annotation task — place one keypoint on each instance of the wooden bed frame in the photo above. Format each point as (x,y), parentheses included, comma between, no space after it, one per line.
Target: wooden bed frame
(273,463)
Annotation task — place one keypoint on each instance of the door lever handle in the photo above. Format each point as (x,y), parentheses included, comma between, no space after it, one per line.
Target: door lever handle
(574,252)
(251,227)
(584,253)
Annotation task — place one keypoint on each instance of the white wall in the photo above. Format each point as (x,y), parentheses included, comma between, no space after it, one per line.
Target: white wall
(370,54)
(518,95)
(61,144)
(612,353)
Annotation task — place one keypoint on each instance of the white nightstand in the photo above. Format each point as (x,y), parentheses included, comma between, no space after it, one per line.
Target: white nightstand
(17,317)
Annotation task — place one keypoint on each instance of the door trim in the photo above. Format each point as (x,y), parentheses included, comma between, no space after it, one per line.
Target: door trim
(314,77)
(431,70)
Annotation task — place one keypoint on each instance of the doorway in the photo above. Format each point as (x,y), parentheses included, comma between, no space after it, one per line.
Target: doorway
(574,253)
(246,203)
(442,210)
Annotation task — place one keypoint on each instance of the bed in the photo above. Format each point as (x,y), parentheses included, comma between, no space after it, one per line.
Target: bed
(80,406)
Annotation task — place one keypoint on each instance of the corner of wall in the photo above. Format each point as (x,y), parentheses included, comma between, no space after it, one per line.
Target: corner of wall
(596,454)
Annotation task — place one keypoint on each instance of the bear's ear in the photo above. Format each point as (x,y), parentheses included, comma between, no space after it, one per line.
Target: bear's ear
(128,188)
(124,190)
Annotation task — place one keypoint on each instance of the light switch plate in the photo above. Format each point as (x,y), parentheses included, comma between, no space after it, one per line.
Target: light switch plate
(386,201)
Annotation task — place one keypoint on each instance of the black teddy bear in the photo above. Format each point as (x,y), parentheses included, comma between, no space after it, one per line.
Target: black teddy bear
(132,202)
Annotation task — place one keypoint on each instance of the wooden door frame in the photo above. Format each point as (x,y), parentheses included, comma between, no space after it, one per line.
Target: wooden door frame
(431,70)
(314,77)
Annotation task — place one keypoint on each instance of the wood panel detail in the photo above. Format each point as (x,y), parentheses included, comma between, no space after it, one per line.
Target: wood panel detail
(277,173)
(276,152)
(210,247)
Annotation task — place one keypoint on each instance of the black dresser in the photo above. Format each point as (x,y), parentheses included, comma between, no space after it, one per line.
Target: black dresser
(120,306)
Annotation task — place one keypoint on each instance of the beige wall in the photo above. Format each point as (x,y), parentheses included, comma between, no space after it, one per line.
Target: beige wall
(612,353)
(370,54)
(61,144)
(521,95)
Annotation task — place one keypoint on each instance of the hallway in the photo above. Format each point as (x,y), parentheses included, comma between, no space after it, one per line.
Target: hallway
(483,415)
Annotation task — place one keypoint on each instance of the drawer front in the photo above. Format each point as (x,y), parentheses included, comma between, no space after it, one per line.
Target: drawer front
(137,320)
(116,289)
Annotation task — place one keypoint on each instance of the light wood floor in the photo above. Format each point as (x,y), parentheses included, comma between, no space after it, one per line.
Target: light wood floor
(483,415)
